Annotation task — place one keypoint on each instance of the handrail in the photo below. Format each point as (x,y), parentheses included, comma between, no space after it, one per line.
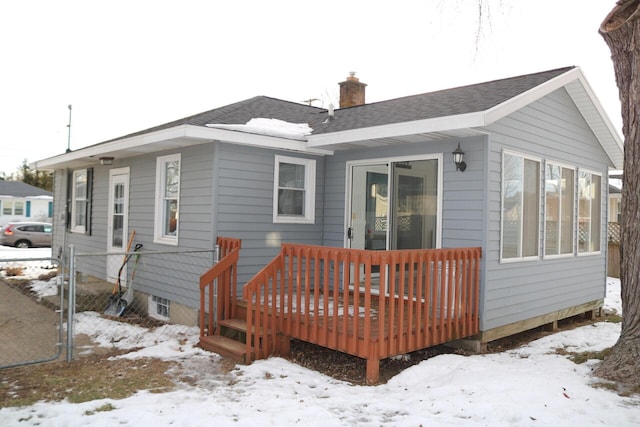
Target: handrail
(261,326)
(219,285)
(372,304)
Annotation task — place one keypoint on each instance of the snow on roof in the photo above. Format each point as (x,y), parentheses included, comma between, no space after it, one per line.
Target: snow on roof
(270,127)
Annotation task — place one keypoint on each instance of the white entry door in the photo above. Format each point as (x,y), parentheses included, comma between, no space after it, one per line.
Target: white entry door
(118,221)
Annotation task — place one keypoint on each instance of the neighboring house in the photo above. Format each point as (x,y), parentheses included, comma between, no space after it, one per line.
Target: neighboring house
(533,192)
(615,198)
(24,202)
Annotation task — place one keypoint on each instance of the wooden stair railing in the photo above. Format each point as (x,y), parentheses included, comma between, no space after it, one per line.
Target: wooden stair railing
(219,287)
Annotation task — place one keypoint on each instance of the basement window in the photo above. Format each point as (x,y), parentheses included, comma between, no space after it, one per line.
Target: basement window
(159,308)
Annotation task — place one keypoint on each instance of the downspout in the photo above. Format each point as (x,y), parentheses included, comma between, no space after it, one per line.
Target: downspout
(214,197)
(324,199)
(61,250)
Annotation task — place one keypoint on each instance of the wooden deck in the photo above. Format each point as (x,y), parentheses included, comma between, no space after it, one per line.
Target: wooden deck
(371,304)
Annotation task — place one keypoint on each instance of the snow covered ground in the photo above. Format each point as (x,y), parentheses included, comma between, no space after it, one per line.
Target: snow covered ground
(528,386)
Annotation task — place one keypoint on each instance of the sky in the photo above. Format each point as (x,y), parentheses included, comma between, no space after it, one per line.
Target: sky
(531,385)
(129,65)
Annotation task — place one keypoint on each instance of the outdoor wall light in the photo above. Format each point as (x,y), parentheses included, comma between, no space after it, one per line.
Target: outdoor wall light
(106,161)
(458,154)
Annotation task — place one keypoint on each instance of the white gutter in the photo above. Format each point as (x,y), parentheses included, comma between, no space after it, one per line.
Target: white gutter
(460,121)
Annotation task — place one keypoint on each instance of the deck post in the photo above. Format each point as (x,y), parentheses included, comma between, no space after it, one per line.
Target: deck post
(283,344)
(373,370)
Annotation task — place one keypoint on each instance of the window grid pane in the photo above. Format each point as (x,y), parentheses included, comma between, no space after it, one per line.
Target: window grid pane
(530,208)
(559,212)
(172,179)
(291,202)
(567,211)
(588,212)
(291,176)
(171,217)
(552,210)
(521,207)
(512,206)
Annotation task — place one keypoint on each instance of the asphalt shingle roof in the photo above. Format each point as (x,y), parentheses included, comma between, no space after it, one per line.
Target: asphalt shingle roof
(243,111)
(20,189)
(448,102)
(460,100)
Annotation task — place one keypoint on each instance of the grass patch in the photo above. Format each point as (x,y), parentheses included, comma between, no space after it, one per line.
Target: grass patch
(90,378)
(104,408)
(614,318)
(582,357)
(13,271)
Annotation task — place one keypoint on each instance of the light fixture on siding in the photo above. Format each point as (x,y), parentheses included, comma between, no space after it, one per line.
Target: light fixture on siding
(458,154)
(106,161)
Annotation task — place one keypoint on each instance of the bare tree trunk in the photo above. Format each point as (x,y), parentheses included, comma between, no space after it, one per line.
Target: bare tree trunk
(621,32)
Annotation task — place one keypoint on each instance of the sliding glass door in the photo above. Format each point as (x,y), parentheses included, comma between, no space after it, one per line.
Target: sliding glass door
(394,205)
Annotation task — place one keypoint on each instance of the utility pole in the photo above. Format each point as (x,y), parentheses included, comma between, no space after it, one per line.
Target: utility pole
(69,131)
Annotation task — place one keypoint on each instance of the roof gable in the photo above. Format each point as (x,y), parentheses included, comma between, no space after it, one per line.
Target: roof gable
(443,103)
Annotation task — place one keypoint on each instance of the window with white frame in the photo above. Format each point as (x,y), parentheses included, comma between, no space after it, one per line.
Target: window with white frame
(559,212)
(159,308)
(520,207)
(79,201)
(7,208)
(294,190)
(167,199)
(589,207)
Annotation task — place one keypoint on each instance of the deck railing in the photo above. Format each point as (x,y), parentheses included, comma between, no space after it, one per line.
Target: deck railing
(219,286)
(371,304)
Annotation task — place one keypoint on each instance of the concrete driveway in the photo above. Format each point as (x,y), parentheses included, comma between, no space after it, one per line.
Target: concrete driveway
(29,331)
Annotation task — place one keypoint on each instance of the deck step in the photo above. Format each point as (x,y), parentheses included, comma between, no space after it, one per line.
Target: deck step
(237,324)
(235,329)
(226,347)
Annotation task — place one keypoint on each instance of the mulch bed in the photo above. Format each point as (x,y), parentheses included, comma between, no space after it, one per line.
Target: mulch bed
(352,369)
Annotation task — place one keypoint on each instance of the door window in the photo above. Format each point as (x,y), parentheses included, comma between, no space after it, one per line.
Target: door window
(394,205)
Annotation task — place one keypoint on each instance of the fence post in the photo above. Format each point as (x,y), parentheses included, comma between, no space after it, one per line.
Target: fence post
(71,301)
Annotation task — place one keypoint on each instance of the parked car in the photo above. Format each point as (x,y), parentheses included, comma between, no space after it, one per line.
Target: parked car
(26,234)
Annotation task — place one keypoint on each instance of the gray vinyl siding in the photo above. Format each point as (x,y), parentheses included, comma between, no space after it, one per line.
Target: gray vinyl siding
(550,129)
(174,276)
(244,206)
(59,186)
(171,276)
(84,243)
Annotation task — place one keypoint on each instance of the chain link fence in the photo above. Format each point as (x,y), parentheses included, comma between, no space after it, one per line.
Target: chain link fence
(114,298)
(147,289)
(31,311)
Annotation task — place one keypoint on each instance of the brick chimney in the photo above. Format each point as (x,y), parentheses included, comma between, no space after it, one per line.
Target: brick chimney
(351,91)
